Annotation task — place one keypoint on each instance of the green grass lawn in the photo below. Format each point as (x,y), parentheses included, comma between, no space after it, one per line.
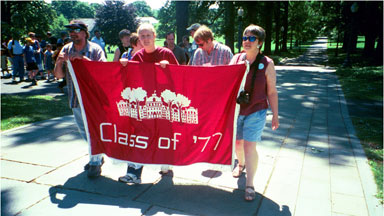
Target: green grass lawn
(363,82)
(19,110)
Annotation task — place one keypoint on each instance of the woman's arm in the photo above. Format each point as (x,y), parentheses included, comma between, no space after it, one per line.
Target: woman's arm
(270,75)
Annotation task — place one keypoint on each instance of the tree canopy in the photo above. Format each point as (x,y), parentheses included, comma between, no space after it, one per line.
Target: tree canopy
(113,17)
(142,9)
(292,22)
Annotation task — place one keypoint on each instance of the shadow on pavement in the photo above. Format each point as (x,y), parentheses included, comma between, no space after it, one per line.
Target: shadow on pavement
(169,198)
(6,202)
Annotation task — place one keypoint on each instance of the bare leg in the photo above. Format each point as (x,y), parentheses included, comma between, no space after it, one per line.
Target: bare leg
(251,161)
(239,149)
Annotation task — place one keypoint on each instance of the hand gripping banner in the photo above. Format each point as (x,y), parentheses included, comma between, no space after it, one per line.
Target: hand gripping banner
(143,113)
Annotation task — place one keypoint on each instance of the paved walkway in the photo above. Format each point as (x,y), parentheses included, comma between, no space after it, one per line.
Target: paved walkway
(312,165)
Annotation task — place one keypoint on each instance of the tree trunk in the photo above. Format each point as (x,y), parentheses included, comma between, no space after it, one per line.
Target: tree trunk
(379,50)
(285,25)
(268,27)
(230,24)
(277,27)
(369,45)
(181,19)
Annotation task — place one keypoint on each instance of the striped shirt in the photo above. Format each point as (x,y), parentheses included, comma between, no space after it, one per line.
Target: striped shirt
(94,52)
(220,55)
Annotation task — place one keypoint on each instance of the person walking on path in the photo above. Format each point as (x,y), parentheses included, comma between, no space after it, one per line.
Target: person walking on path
(210,52)
(16,53)
(261,86)
(99,40)
(79,48)
(48,61)
(37,53)
(30,59)
(153,54)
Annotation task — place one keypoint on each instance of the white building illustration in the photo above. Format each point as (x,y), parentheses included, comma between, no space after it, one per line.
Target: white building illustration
(170,106)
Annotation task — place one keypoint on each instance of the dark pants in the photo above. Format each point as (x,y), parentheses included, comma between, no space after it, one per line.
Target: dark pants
(18,67)
(134,171)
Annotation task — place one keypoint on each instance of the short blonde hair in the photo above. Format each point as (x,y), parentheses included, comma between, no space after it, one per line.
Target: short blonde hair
(146,26)
(203,33)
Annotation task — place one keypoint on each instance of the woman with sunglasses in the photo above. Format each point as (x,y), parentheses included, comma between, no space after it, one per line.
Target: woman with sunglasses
(251,121)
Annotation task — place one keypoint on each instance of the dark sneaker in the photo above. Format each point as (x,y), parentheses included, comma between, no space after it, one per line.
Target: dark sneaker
(130,178)
(94,171)
(86,167)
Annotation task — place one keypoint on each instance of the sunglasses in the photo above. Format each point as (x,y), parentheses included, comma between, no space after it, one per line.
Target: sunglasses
(250,38)
(76,30)
(200,45)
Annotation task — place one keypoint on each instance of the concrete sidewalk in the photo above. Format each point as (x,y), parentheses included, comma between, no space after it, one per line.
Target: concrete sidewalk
(312,165)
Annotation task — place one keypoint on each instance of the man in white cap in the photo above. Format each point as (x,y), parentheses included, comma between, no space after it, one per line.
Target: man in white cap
(79,48)
(192,29)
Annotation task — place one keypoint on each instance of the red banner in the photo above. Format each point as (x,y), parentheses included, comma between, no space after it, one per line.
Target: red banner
(143,113)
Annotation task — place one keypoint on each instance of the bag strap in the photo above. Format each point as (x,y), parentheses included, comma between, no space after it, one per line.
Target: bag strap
(255,63)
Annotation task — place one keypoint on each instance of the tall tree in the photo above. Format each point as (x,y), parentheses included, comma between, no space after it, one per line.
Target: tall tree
(229,28)
(268,10)
(371,18)
(142,9)
(285,26)
(277,27)
(181,19)
(74,9)
(114,17)
(20,17)
(167,18)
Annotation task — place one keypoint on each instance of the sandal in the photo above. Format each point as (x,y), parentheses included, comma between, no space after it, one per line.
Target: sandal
(130,179)
(238,171)
(250,193)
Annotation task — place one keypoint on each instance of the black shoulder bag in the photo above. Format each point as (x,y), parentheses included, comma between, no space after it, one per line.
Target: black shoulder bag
(245,96)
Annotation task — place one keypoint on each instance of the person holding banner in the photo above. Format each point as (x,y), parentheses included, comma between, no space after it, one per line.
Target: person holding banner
(261,89)
(152,54)
(79,48)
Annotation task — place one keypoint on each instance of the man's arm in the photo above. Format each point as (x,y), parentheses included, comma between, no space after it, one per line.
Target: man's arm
(58,71)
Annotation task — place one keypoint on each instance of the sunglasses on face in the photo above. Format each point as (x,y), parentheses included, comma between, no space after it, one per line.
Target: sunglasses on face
(200,45)
(76,30)
(250,38)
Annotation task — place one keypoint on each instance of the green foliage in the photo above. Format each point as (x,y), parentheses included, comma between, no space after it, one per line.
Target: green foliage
(113,17)
(21,17)
(167,19)
(370,133)
(74,9)
(142,9)
(57,25)
(362,82)
(17,110)
(198,11)
(305,23)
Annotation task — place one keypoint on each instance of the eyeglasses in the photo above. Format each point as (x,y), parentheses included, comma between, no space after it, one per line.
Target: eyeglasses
(250,38)
(200,45)
(76,30)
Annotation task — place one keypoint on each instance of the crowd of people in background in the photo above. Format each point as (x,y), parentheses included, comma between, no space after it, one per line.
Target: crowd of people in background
(32,58)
